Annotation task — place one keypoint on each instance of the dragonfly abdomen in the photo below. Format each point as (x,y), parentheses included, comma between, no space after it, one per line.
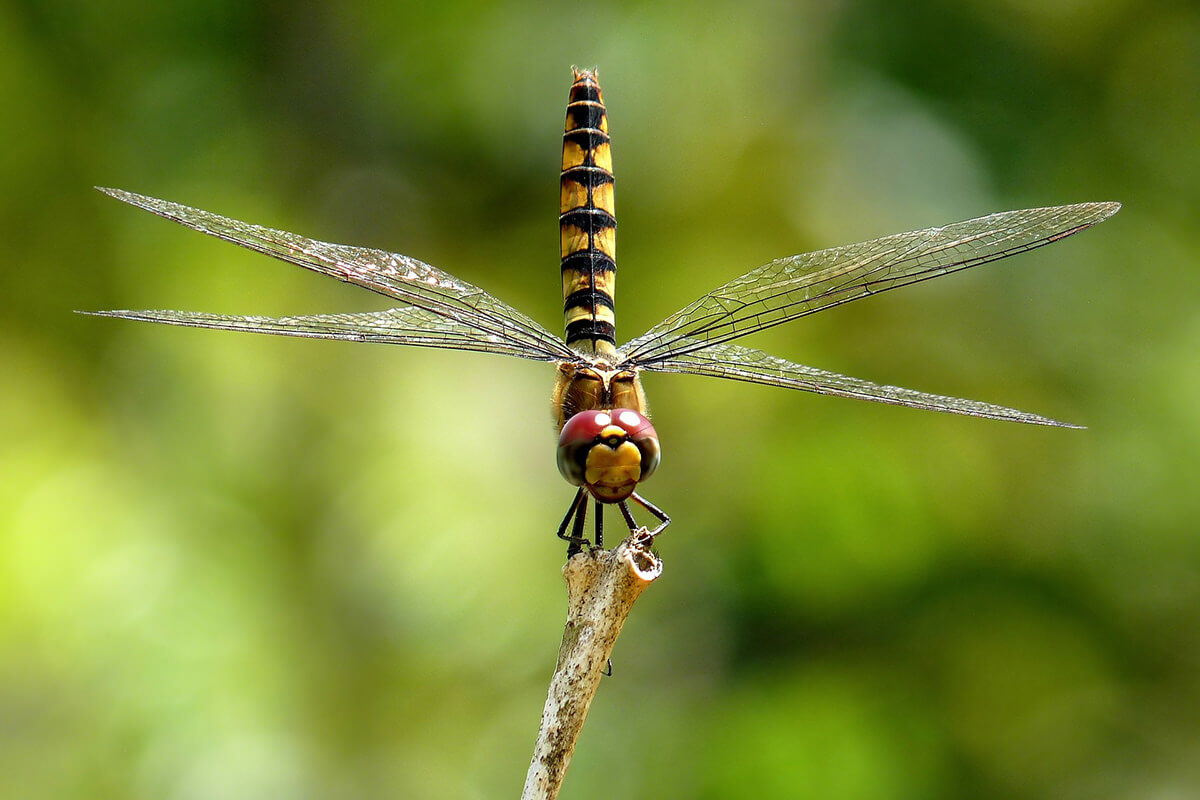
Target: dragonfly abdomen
(587,223)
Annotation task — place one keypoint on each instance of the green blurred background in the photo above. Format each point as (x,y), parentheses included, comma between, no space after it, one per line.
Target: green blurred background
(248,567)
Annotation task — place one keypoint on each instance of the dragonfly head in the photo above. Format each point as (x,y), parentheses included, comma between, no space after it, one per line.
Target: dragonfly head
(608,452)
(594,387)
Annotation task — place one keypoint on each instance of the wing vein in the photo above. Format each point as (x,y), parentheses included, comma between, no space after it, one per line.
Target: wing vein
(792,287)
(476,315)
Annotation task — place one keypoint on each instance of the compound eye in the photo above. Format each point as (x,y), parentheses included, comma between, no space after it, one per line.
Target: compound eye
(576,439)
(641,433)
(650,455)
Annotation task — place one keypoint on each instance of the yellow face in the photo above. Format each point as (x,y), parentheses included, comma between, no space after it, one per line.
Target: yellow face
(593,388)
(612,474)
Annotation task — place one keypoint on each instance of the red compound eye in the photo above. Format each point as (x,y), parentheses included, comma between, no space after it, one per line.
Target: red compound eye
(576,439)
(585,426)
(587,429)
(642,434)
(635,424)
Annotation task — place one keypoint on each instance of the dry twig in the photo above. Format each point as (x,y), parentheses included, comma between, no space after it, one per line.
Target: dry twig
(601,589)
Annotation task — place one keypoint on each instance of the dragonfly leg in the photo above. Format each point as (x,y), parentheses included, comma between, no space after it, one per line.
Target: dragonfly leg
(599,524)
(577,511)
(577,538)
(663,519)
(629,520)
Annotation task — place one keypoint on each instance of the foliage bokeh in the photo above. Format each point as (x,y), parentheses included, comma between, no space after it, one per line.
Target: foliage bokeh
(242,567)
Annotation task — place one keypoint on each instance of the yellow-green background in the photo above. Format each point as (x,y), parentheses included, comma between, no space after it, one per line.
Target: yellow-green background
(247,567)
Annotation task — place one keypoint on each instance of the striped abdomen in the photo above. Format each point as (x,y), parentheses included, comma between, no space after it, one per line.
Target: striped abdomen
(587,225)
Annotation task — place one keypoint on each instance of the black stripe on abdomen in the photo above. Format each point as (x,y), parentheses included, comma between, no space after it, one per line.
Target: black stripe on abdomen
(586,114)
(585,91)
(587,176)
(588,261)
(592,220)
(586,138)
(587,298)
(591,329)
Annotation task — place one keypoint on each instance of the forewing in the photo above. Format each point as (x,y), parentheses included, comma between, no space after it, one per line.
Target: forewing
(406,325)
(754,366)
(396,276)
(804,284)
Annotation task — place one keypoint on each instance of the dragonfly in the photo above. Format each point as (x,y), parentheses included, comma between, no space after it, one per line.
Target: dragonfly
(607,445)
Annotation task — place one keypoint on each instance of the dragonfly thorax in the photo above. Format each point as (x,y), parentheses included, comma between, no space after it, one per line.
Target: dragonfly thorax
(595,387)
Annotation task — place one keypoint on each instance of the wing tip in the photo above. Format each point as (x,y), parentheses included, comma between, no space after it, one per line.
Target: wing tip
(132,198)
(1056,423)
(123,313)
(1107,208)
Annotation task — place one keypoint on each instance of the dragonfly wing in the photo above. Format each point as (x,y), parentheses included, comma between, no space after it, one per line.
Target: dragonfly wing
(391,274)
(804,284)
(405,325)
(755,366)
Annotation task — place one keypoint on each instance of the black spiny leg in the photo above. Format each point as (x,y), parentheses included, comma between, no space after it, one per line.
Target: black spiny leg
(576,539)
(599,524)
(663,519)
(629,520)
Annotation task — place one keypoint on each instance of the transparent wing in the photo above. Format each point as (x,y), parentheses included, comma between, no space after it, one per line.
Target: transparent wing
(477,317)
(405,325)
(804,284)
(755,366)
